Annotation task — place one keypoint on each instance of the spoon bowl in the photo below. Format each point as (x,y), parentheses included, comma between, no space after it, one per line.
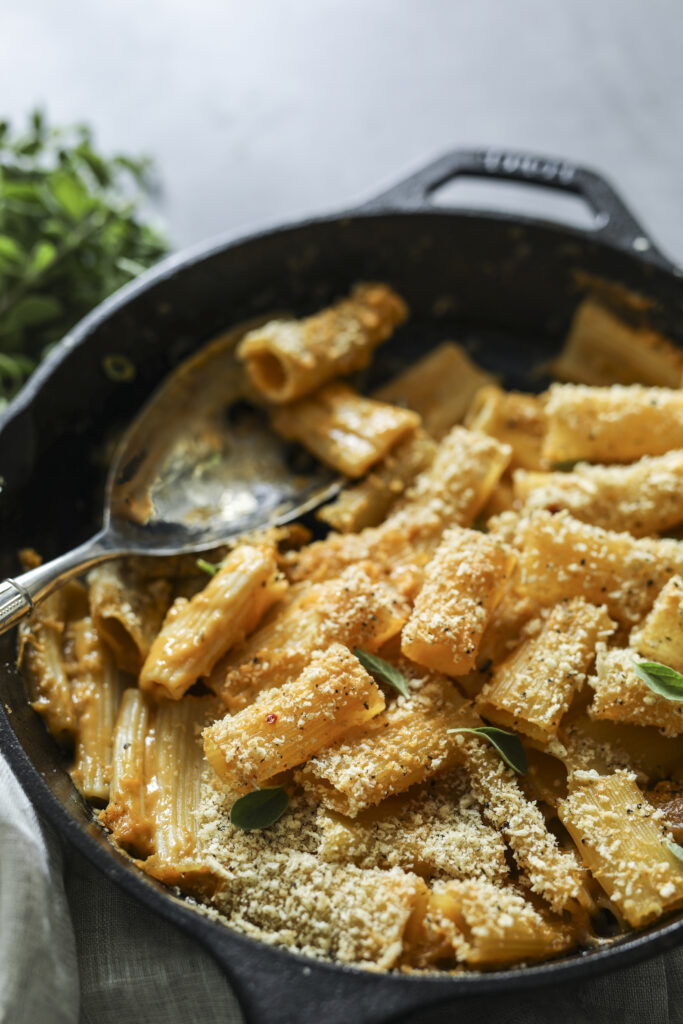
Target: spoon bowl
(199,466)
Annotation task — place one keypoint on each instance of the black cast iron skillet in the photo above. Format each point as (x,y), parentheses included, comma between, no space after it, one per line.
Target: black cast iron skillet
(506,284)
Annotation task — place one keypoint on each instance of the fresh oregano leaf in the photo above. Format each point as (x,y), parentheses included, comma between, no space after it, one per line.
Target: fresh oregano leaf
(676,850)
(508,745)
(383,671)
(210,567)
(661,679)
(259,809)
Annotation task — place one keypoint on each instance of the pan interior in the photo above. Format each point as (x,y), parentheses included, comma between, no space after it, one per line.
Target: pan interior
(504,290)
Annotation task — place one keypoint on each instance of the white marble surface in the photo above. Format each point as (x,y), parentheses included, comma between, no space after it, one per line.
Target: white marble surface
(267,109)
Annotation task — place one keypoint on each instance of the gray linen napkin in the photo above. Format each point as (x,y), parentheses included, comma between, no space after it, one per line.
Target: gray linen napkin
(75,949)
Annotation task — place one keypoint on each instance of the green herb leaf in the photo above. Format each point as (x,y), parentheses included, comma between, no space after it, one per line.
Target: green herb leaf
(44,253)
(10,249)
(31,311)
(508,745)
(210,567)
(70,235)
(259,809)
(71,194)
(676,850)
(661,679)
(565,466)
(383,671)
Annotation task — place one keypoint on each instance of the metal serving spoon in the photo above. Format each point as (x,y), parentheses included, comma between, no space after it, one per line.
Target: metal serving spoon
(198,467)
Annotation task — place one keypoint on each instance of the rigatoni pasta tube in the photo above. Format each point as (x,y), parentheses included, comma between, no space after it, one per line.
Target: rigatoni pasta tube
(450,492)
(551,873)
(624,844)
(175,769)
(660,636)
(433,829)
(174,772)
(622,696)
(367,502)
(439,387)
(533,688)
(196,633)
(641,498)
(286,359)
(601,349)
(97,689)
(487,925)
(463,583)
(514,418)
(128,814)
(344,429)
(460,480)
(128,610)
(354,915)
(41,655)
(284,727)
(406,744)
(561,557)
(615,424)
(357,609)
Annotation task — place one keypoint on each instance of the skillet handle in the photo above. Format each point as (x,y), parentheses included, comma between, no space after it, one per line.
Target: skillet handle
(614,222)
(274,986)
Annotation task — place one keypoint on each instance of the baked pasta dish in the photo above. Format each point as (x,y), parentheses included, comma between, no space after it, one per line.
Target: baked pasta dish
(441,729)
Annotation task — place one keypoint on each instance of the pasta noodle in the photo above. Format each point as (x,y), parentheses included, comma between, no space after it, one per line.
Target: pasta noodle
(621,696)
(366,503)
(345,430)
(357,609)
(463,583)
(562,557)
(643,498)
(287,359)
(615,424)
(622,841)
(41,655)
(128,814)
(229,607)
(287,726)
(534,686)
(601,349)
(405,745)
(451,492)
(550,872)
(96,691)
(480,923)
(127,610)
(439,387)
(660,635)
(514,418)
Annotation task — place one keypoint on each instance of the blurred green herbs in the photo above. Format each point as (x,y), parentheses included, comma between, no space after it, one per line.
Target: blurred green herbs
(70,234)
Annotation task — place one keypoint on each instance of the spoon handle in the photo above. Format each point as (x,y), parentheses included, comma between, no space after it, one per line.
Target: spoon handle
(19,594)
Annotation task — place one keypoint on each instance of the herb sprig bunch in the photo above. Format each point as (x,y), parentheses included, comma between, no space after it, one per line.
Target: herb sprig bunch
(70,234)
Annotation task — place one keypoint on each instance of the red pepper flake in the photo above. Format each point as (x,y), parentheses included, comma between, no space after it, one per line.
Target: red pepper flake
(271,718)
